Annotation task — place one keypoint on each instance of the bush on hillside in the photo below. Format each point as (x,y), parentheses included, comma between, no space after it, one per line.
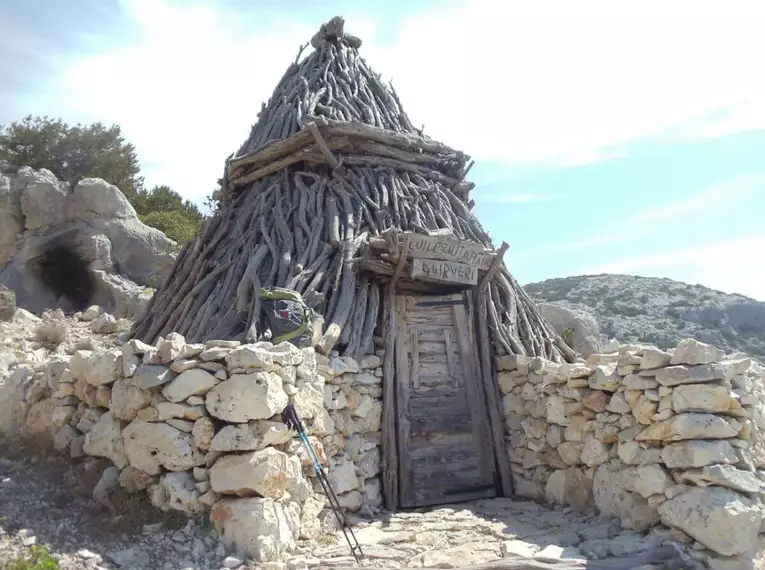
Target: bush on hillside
(173,224)
(97,151)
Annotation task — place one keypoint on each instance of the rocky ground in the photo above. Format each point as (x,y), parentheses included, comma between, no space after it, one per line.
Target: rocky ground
(46,502)
(661,312)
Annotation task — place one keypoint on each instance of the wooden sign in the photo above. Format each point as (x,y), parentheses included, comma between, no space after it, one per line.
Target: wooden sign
(447,248)
(444,271)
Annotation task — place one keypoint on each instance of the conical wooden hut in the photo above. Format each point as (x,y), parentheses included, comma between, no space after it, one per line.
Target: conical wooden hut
(336,195)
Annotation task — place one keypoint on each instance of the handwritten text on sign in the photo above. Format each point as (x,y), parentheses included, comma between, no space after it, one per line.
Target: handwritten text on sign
(446,271)
(449,249)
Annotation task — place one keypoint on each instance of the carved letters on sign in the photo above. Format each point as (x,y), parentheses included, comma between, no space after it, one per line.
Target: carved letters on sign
(447,248)
(445,271)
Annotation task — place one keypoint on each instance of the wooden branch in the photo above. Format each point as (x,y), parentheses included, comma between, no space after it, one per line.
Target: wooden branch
(272,152)
(495,265)
(403,140)
(311,153)
(491,394)
(401,263)
(389,447)
(322,144)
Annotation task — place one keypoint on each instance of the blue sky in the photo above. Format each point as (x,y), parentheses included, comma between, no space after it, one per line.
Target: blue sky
(609,135)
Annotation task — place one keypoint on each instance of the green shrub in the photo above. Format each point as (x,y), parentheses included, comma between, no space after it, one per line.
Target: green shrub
(173,224)
(37,558)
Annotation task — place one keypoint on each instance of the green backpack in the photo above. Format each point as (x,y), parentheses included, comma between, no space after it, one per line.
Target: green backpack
(287,315)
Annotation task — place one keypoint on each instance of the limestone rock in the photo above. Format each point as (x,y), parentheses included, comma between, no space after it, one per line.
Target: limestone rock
(650,480)
(654,358)
(170,347)
(168,410)
(261,527)
(724,476)
(104,324)
(594,452)
(605,378)
(692,374)
(127,400)
(269,472)
(64,438)
(251,436)
(250,356)
(103,367)
(705,398)
(203,433)
(610,489)
(698,453)
(43,197)
(586,333)
(133,480)
(245,397)
(691,351)
(720,519)
(193,382)
(7,303)
(105,440)
(690,426)
(149,376)
(342,476)
(287,354)
(13,409)
(180,493)
(150,446)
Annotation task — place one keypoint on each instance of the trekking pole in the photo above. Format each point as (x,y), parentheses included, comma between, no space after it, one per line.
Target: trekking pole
(292,421)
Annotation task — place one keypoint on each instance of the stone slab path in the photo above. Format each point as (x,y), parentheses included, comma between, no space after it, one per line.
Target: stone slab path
(45,501)
(476,532)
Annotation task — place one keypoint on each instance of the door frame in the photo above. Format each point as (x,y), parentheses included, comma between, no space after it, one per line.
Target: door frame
(467,345)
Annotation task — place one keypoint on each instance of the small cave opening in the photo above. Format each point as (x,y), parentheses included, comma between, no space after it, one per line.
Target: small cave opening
(66,273)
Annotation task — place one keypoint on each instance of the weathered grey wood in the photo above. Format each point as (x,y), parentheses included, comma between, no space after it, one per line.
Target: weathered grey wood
(448,248)
(439,391)
(443,271)
(445,410)
(390,451)
(425,501)
(491,392)
(446,446)
(403,350)
(415,374)
(495,265)
(451,360)
(467,342)
(458,450)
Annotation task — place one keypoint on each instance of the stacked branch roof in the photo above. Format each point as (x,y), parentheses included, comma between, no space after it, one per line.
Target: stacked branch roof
(332,166)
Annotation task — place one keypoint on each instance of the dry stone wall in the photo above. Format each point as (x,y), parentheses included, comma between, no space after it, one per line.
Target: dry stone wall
(669,442)
(198,427)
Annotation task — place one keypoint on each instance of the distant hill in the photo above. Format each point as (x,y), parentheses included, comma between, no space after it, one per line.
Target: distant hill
(661,311)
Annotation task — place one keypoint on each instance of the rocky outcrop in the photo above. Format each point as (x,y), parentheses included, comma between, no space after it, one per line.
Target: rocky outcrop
(38,213)
(574,325)
(661,311)
(7,303)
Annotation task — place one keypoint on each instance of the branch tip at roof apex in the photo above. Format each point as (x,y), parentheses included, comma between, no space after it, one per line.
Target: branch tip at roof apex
(333,30)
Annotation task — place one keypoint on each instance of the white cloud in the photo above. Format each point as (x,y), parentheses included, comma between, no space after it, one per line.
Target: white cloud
(729,266)
(511,81)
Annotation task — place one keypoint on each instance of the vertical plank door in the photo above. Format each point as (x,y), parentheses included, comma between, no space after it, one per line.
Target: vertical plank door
(445,453)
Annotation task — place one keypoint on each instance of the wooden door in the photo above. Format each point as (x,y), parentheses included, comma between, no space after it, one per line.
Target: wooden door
(444,450)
